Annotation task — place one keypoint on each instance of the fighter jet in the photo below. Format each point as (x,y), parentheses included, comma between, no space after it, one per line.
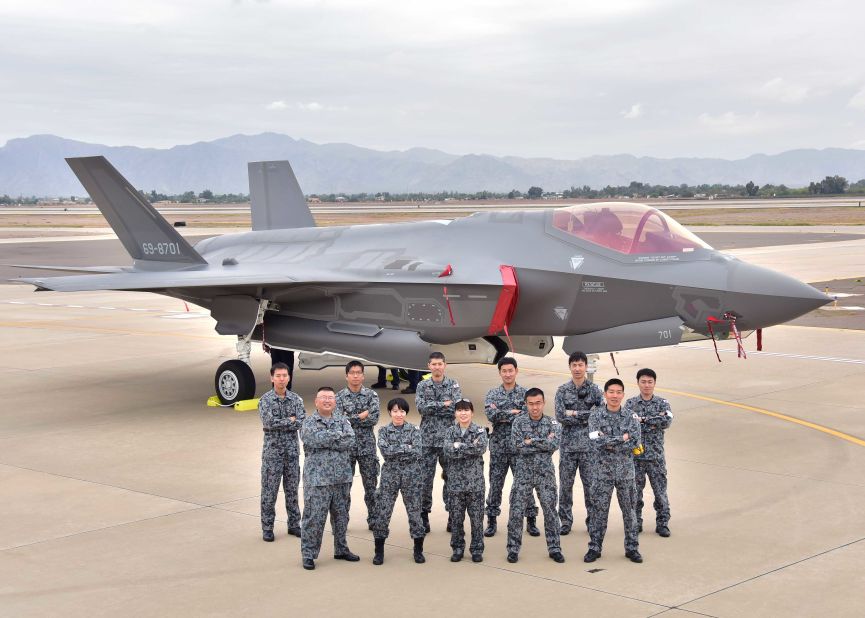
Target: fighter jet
(605,276)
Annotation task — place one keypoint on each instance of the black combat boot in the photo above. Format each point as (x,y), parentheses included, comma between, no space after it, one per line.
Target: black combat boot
(378,558)
(418,551)
(531,527)
(425,519)
(634,556)
(267,535)
(491,526)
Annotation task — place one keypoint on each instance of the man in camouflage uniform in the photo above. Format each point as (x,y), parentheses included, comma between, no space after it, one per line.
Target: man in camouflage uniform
(282,415)
(328,441)
(574,402)
(401,445)
(435,401)
(615,433)
(361,407)
(502,405)
(655,418)
(534,437)
(464,446)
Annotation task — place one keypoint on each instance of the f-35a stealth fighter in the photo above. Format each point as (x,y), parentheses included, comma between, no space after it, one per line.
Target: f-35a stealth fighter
(606,276)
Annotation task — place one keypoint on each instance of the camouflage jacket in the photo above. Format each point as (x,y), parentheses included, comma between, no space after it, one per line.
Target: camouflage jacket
(655,416)
(498,405)
(615,460)
(435,416)
(280,432)
(401,444)
(327,443)
(351,404)
(545,435)
(464,453)
(575,433)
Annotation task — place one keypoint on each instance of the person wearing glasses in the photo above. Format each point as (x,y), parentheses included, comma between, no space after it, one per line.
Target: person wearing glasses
(328,440)
(360,406)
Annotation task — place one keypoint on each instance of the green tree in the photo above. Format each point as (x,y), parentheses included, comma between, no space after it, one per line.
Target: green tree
(207,194)
(751,189)
(534,193)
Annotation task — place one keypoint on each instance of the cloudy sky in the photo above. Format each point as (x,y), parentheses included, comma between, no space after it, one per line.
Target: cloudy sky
(567,80)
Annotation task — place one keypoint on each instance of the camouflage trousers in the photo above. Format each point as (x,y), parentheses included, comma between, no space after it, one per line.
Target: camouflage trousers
(473,502)
(656,471)
(602,495)
(278,469)
(544,483)
(318,501)
(428,461)
(569,463)
(499,464)
(369,477)
(404,478)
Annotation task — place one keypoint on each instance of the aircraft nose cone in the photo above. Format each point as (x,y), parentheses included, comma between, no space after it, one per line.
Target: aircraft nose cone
(764,297)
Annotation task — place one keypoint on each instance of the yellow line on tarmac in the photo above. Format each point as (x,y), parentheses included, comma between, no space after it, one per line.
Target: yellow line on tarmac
(732,404)
(778,415)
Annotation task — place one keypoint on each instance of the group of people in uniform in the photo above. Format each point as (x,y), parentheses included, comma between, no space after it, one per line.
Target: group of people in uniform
(613,443)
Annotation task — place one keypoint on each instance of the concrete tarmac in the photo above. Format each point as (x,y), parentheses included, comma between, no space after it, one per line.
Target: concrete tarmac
(122,492)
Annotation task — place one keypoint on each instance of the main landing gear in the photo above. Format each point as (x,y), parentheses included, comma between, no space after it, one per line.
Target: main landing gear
(234,379)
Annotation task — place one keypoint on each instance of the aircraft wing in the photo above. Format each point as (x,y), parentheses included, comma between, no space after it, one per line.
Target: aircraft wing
(259,275)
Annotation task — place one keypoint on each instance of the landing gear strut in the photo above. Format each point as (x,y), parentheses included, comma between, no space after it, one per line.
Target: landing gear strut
(234,379)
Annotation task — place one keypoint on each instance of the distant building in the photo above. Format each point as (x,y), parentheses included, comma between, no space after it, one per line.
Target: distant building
(313,199)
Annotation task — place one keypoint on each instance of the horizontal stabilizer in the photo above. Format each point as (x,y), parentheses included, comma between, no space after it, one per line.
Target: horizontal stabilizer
(275,198)
(145,234)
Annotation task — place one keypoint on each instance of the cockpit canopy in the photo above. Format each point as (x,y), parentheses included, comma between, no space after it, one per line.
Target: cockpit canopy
(627,228)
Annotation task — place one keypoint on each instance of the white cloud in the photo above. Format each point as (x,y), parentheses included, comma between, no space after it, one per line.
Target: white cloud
(635,112)
(731,123)
(277,105)
(783,91)
(315,106)
(857,101)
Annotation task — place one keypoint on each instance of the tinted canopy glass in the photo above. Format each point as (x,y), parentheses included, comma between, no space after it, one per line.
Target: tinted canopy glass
(626,228)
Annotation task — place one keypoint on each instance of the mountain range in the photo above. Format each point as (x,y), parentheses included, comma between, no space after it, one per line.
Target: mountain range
(35,166)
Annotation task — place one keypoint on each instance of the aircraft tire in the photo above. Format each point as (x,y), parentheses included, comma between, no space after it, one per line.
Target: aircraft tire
(234,382)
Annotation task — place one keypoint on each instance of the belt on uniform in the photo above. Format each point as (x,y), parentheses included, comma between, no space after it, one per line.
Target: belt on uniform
(404,458)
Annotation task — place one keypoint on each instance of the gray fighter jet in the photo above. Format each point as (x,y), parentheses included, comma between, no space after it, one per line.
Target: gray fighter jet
(607,276)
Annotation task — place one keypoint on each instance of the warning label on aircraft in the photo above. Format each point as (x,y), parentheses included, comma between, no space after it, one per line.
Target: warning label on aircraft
(656,258)
(594,287)
(576,261)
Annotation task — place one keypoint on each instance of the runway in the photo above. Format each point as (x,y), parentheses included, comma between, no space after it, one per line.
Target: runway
(122,493)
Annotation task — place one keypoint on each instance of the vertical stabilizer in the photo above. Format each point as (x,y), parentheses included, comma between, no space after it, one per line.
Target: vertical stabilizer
(142,230)
(276,200)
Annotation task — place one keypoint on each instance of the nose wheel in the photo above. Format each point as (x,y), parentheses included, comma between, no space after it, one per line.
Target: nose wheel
(234,382)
